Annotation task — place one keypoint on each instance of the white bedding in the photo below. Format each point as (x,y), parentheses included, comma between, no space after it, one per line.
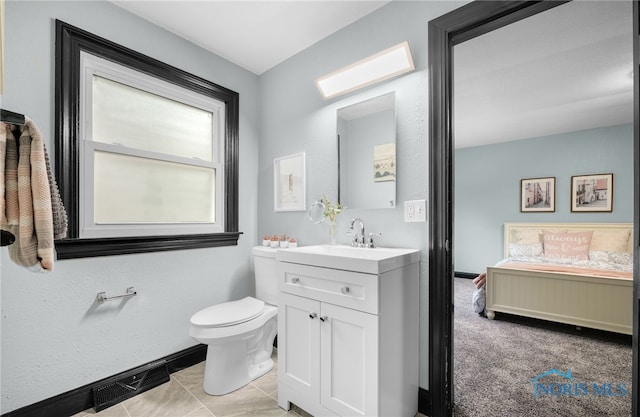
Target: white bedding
(601,263)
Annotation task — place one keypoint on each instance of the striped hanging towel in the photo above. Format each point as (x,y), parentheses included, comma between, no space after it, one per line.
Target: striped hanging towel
(33,210)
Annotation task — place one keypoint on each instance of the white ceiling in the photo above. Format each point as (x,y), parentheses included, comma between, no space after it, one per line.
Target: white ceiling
(256,35)
(564,70)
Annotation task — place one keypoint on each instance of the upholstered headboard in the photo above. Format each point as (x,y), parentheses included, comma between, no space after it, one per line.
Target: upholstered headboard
(606,236)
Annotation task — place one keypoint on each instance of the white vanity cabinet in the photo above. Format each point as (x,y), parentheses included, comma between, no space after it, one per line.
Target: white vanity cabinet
(348,341)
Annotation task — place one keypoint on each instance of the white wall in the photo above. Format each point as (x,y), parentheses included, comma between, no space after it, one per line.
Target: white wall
(54,337)
(295,118)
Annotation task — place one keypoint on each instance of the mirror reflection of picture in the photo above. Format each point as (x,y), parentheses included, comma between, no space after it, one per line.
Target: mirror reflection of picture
(289,183)
(384,162)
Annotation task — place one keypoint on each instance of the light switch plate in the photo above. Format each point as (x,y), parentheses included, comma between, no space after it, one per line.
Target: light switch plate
(415,211)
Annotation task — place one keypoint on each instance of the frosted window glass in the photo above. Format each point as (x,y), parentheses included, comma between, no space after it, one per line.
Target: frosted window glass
(142,120)
(163,192)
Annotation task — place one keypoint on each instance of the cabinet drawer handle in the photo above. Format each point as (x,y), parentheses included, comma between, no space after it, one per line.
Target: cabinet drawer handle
(295,280)
(313,315)
(324,318)
(345,290)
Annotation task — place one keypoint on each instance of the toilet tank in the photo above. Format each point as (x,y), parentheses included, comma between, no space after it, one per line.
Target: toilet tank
(266,274)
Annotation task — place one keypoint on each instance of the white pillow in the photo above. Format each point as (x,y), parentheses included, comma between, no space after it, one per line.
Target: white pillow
(610,240)
(525,250)
(611,257)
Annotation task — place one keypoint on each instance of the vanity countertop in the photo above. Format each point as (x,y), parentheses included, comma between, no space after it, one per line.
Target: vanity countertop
(348,258)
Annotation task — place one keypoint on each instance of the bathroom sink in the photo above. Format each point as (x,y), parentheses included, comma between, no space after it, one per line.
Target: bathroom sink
(368,260)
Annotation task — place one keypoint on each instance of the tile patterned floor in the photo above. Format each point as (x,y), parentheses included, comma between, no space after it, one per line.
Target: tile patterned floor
(183,396)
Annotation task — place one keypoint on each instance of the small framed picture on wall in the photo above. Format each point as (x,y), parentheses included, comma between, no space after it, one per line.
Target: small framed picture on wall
(538,195)
(592,193)
(289,183)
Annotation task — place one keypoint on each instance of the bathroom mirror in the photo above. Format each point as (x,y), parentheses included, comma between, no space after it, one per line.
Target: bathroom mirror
(367,153)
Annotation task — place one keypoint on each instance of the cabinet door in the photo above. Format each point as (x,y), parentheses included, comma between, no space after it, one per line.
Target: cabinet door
(299,346)
(349,361)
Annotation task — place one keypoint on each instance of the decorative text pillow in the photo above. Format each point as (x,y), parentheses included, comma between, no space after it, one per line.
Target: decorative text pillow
(572,245)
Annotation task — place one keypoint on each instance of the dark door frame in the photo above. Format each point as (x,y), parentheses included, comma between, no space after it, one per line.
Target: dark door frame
(464,23)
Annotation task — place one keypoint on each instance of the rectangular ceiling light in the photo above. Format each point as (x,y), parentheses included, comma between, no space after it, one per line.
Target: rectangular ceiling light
(378,67)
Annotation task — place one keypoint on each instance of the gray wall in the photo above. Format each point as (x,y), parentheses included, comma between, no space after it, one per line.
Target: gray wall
(487,186)
(54,338)
(296,118)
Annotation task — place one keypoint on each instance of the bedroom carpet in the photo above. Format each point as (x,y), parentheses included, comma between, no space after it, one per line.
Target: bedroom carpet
(514,366)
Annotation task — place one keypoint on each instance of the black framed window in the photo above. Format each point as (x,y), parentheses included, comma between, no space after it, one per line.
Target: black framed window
(84,157)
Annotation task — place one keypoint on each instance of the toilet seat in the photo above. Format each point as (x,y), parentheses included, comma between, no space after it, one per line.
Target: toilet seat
(210,334)
(229,313)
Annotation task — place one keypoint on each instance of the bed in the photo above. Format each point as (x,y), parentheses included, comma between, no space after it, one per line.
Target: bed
(599,299)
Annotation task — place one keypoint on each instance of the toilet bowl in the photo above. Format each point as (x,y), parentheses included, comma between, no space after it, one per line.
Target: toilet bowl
(239,334)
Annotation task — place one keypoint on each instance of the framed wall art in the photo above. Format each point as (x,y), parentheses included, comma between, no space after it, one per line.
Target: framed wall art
(538,195)
(592,193)
(289,183)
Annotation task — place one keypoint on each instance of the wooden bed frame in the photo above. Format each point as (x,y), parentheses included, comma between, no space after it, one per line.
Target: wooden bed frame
(597,302)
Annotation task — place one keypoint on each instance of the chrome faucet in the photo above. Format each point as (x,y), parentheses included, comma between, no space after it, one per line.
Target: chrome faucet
(358,236)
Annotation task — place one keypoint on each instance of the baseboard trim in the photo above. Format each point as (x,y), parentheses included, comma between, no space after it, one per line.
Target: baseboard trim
(80,399)
(468,275)
(424,401)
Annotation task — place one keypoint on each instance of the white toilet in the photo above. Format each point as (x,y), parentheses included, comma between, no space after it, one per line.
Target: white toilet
(239,334)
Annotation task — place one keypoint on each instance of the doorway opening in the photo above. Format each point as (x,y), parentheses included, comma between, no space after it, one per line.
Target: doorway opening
(462,24)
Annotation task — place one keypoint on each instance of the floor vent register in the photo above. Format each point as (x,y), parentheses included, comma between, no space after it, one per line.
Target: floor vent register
(130,384)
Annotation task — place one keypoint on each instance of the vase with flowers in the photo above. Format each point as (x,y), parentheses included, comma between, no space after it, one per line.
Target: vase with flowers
(331,210)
